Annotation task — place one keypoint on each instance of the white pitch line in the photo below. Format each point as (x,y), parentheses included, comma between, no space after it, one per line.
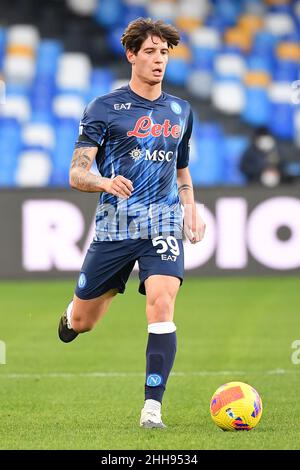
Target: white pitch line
(202,373)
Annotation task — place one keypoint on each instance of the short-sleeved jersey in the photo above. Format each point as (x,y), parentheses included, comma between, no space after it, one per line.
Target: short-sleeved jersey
(145,141)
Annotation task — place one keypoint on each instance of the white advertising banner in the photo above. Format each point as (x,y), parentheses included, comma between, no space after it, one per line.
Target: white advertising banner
(250,231)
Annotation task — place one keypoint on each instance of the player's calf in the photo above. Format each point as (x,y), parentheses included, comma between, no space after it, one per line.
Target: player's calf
(71,325)
(65,330)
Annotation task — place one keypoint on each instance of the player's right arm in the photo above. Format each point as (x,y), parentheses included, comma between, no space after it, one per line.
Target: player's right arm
(82,179)
(92,131)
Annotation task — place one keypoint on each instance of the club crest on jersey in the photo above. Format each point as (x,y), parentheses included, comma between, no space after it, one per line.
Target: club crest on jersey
(82,281)
(144,127)
(176,108)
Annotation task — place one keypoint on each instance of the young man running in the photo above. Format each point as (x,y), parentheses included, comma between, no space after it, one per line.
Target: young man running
(139,137)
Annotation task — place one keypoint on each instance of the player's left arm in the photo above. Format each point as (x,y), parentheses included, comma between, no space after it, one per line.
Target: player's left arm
(194,226)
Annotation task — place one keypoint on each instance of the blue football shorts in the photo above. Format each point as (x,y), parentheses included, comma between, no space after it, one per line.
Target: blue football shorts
(108,264)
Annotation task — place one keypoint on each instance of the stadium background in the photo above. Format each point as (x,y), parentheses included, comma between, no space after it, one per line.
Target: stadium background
(238,65)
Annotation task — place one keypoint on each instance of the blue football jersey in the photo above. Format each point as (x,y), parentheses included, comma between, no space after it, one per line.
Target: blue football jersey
(145,141)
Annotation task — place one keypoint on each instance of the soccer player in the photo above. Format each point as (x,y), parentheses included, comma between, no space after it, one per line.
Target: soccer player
(139,137)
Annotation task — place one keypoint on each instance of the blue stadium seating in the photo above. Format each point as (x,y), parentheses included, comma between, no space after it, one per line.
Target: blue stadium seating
(208,169)
(213,163)
(257,106)
(282,120)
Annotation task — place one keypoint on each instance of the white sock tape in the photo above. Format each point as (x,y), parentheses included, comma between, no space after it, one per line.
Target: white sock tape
(162,327)
(69,314)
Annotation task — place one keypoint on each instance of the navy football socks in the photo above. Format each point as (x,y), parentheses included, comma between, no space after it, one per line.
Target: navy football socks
(160,355)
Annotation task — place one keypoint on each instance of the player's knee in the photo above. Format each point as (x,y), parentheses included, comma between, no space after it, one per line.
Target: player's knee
(161,308)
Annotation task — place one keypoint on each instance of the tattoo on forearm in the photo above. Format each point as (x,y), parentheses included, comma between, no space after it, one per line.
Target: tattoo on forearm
(80,159)
(80,176)
(85,181)
(184,187)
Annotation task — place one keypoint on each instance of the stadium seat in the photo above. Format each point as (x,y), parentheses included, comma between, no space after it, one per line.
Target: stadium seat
(260,63)
(239,38)
(2,46)
(68,76)
(205,44)
(228,96)
(229,65)
(285,71)
(250,23)
(38,134)
(228,10)
(101,81)
(234,147)
(10,145)
(66,133)
(264,43)
(109,13)
(282,110)
(42,93)
(257,106)
(197,9)
(199,83)
(19,69)
(279,24)
(177,71)
(208,166)
(162,9)
(179,65)
(255,7)
(297,128)
(68,106)
(85,8)
(19,62)
(16,106)
(23,35)
(42,169)
(48,53)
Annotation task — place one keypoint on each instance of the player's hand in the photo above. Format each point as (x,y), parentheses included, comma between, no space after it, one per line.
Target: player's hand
(194,226)
(119,186)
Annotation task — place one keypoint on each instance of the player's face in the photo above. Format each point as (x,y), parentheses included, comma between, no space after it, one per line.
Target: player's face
(151,60)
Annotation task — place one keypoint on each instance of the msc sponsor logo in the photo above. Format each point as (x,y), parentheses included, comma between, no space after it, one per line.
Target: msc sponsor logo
(159,155)
(144,127)
(155,156)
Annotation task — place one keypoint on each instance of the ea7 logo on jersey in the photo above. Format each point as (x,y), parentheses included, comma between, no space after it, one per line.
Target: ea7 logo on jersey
(119,106)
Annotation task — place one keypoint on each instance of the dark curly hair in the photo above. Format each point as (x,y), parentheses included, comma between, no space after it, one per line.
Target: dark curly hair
(140,29)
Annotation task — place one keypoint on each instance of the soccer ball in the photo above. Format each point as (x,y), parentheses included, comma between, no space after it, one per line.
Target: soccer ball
(236,406)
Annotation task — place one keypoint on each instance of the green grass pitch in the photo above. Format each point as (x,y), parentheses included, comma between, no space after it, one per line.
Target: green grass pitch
(88,394)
